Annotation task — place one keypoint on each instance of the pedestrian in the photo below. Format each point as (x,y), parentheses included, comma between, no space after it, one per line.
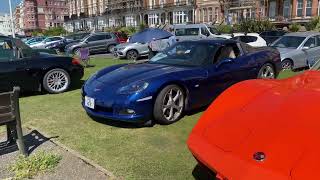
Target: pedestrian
(153,48)
(172,39)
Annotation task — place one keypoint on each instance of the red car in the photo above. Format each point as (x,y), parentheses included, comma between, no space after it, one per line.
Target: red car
(262,130)
(121,37)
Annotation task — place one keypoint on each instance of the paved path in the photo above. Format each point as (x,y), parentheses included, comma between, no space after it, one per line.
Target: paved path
(70,167)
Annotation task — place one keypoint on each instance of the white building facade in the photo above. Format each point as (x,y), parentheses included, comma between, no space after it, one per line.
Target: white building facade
(5,24)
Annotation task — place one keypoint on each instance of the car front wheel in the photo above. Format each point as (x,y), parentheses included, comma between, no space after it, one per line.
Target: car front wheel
(56,81)
(169,105)
(267,72)
(132,55)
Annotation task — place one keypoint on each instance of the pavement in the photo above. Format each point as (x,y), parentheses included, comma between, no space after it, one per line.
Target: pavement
(70,167)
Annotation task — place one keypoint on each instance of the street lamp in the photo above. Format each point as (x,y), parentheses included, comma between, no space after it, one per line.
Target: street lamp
(11,20)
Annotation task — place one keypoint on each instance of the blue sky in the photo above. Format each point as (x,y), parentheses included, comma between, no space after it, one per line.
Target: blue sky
(4,7)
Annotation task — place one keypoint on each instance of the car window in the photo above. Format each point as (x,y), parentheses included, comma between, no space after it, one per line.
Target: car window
(231,51)
(185,54)
(204,31)
(108,36)
(97,37)
(247,39)
(311,42)
(187,32)
(288,42)
(6,50)
(264,34)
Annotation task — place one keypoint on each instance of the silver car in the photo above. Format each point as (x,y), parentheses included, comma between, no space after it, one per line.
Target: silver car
(131,51)
(298,50)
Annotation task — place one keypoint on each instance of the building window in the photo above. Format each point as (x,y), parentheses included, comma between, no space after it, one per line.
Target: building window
(299,8)
(180,17)
(216,14)
(210,14)
(153,19)
(130,21)
(205,17)
(286,8)
(309,8)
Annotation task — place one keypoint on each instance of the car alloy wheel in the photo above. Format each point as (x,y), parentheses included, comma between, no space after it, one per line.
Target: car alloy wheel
(173,104)
(56,81)
(267,72)
(110,49)
(286,65)
(132,55)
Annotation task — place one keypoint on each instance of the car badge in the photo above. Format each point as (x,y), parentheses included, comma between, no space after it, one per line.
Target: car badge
(97,89)
(259,156)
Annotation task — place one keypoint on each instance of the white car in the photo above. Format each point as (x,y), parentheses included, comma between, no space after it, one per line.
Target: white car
(46,42)
(253,39)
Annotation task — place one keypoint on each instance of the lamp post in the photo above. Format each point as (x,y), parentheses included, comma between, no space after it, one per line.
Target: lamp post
(11,20)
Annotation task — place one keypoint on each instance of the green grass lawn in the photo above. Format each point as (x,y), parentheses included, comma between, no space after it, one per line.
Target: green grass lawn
(159,152)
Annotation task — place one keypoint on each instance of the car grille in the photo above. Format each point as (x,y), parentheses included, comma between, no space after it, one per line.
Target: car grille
(103,109)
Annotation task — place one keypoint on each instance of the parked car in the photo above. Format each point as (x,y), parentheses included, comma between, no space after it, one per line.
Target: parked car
(131,51)
(253,135)
(121,37)
(73,38)
(195,32)
(253,39)
(271,36)
(31,70)
(186,76)
(96,42)
(47,42)
(296,49)
(35,40)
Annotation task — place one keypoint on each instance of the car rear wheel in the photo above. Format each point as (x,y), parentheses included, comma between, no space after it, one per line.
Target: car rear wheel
(267,72)
(56,81)
(132,55)
(287,64)
(76,51)
(110,48)
(169,105)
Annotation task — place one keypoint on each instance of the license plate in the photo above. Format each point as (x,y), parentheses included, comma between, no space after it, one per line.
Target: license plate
(89,102)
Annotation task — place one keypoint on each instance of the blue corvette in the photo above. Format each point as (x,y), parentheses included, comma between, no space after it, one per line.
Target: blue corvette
(188,75)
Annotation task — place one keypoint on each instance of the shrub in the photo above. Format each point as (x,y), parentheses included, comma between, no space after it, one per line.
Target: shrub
(313,25)
(224,29)
(142,26)
(294,27)
(55,31)
(254,26)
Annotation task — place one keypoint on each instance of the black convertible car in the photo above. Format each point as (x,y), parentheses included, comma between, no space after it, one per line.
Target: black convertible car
(33,71)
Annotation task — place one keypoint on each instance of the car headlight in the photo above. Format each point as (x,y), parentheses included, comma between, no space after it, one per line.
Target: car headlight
(133,88)
(120,49)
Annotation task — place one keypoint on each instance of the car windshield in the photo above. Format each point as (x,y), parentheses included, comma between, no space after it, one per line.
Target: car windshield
(213,30)
(288,42)
(184,54)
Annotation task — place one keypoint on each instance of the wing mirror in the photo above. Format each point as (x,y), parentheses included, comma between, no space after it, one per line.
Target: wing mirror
(225,61)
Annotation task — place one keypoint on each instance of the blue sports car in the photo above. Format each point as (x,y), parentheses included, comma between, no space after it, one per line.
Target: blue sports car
(188,75)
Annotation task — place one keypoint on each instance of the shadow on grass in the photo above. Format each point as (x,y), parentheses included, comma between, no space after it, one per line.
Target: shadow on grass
(121,124)
(203,173)
(32,141)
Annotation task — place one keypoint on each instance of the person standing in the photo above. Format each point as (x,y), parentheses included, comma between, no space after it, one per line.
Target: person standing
(172,39)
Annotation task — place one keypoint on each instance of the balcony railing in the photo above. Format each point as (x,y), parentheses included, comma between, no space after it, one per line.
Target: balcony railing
(170,5)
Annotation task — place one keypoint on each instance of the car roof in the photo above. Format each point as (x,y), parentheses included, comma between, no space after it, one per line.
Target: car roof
(217,41)
(189,25)
(303,34)
(245,34)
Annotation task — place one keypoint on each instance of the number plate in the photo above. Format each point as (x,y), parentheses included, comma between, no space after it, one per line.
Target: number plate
(89,102)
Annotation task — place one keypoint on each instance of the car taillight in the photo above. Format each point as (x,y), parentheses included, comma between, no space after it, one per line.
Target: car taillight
(75,62)
(118,40)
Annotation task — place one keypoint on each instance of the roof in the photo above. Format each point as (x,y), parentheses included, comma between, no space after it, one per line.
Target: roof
(213,41)
(303,34)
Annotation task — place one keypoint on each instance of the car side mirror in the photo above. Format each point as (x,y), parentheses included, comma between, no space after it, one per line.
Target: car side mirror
(305,48)
(224,61)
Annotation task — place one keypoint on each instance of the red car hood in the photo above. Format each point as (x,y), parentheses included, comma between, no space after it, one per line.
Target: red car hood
(280,122)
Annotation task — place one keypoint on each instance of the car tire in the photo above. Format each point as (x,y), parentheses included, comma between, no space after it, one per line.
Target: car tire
(169,105)
(110,48)
(267,72)
(287,64)
(76,51)
(56,81)
(132,55)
